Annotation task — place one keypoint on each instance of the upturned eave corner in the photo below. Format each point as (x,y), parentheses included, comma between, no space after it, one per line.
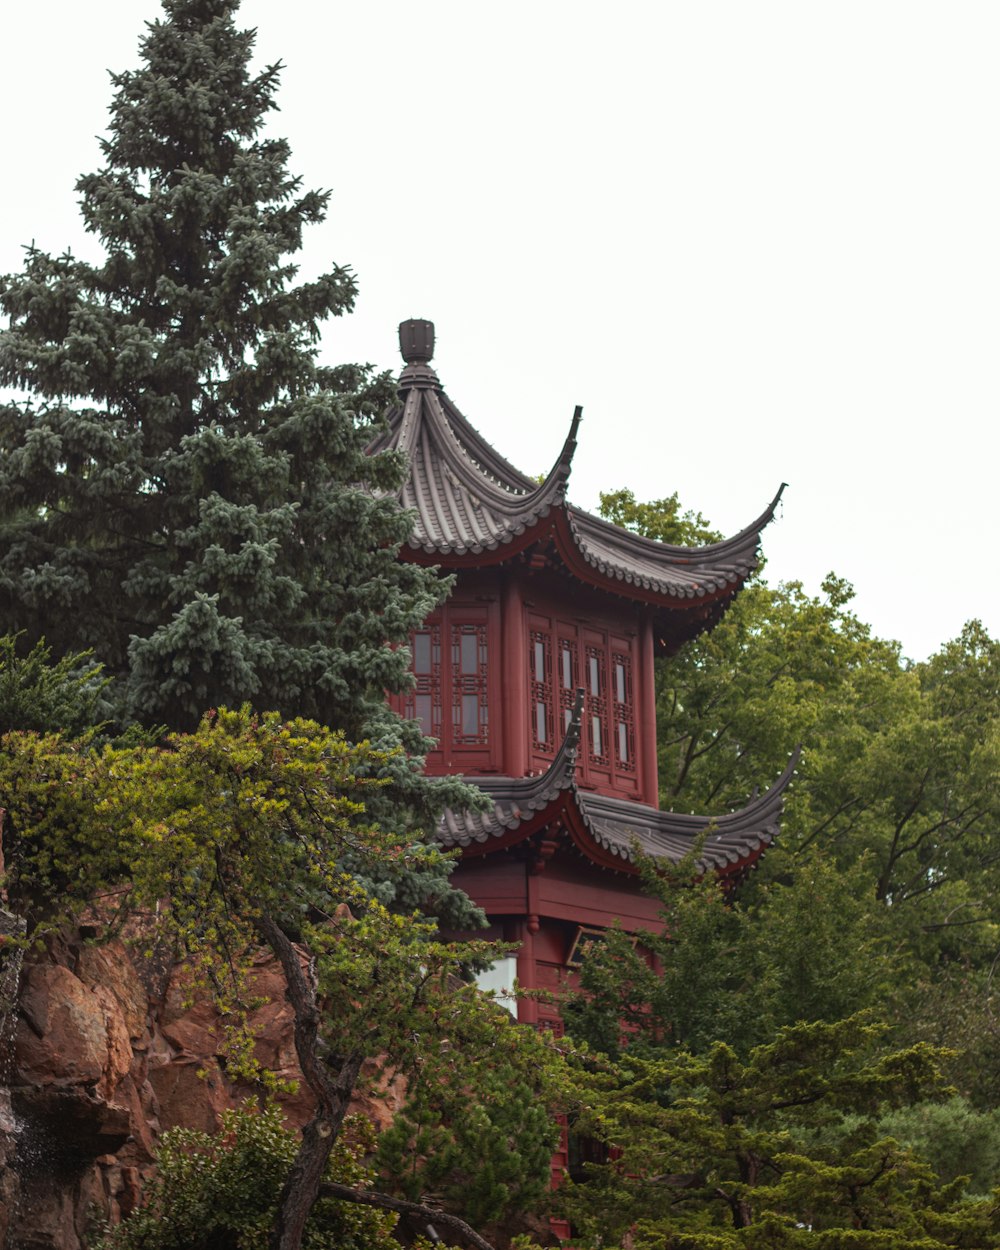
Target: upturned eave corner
(605,829)
(473,507)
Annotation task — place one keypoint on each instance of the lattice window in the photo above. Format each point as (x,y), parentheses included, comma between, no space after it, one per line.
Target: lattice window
(549,1025)
(596,704)
(623,712)
(469,673)
(568,682)
(543,730)
(423,704)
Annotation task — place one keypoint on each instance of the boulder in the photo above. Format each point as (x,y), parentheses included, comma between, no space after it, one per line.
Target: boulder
(190,1094)
(110,967)
(62,1037)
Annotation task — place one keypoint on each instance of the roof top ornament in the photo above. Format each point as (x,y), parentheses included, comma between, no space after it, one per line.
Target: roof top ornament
(416,341)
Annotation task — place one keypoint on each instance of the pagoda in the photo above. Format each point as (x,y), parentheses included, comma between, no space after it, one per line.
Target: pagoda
(535,680)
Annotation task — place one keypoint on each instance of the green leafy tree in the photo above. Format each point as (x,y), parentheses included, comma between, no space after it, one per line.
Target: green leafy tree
(236,837)
(220,1191)
(186,490)
(661,519)
(897,789)
(482,1144)
(813,947)
(957,1139)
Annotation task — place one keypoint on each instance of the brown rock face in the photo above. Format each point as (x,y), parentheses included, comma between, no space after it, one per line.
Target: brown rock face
(112,1049)
(190,1093)
(62,1034)
(110,968)
(10,1184)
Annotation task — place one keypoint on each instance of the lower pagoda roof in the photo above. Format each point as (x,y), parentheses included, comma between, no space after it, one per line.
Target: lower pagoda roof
(613,832)
(472,508)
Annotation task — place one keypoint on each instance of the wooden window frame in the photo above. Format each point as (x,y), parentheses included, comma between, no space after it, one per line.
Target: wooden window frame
(584,645)
(450,689)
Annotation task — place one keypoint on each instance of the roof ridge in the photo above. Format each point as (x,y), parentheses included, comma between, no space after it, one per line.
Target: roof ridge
(614,823)
(517,508)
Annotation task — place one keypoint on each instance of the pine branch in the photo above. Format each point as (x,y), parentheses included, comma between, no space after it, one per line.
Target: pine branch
(372,1198)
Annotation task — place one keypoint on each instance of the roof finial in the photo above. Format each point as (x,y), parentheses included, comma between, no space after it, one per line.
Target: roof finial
(416,341)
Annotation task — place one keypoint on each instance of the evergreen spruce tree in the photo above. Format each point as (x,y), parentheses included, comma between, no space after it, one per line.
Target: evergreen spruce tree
(185,492)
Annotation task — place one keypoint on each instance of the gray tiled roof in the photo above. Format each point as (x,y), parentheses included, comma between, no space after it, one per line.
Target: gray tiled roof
(468,500)
(615,825)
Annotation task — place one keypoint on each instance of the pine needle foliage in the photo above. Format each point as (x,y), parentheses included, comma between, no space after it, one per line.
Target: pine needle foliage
(780,1150)
(42,695)
(184,489)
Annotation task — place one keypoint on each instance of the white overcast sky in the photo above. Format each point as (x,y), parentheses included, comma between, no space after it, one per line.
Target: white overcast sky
(758,242)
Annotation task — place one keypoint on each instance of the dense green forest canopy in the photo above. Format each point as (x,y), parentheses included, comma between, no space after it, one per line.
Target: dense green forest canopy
(740,1095)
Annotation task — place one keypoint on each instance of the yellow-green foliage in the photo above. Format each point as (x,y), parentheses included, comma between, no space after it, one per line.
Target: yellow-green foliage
(251,821)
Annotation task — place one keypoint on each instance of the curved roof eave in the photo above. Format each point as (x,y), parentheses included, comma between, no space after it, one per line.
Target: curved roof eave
(606,829)
(472,506)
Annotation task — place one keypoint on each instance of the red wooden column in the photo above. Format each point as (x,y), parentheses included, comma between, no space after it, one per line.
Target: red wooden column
(527,1008)
(649,782)
(514,678)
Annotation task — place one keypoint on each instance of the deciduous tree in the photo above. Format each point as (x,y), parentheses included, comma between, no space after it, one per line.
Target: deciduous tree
(898,789)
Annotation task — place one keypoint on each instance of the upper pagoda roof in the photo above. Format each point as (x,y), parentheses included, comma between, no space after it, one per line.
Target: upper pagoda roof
(610,830)
(473,507)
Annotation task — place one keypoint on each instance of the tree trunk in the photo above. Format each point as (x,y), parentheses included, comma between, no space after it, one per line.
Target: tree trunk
(332,1093)
(302,1185)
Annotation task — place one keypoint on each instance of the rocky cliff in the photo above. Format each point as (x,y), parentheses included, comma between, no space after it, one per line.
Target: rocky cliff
(110,1051)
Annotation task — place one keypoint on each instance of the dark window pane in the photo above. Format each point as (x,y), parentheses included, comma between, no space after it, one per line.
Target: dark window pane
(623,742)
(422,713)
(470,658)
(539,661)
(470,715)
(422,653)
(620,682)
(540,721)
(595,675)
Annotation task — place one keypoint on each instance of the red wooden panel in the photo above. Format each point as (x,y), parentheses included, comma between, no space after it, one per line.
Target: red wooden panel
(456,658)
(550,943)
(588,895)
(547,977)
(497,883)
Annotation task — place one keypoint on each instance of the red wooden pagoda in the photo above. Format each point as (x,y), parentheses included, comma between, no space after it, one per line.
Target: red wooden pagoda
(535,679)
